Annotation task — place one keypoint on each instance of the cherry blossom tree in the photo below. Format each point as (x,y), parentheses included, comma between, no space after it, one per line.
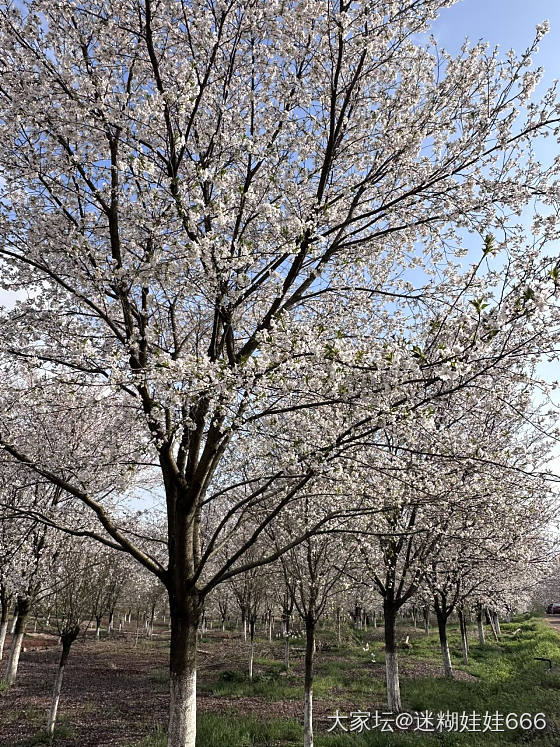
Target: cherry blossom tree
(211,206)
(312,575)
(71,588)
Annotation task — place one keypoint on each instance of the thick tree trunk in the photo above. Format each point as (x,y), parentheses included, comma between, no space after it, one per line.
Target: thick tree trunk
(67,641)
(464,638)
(308,683)
(22,611)
(391,658)
(444,643)
(185,617)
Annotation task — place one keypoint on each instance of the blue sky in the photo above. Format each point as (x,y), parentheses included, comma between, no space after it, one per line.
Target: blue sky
(508,23)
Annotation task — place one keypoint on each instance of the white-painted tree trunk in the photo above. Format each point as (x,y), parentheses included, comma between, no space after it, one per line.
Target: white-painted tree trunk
(3,631)
(308,719)
(497,623)
(393,684)
(251,648)
(447,666)
(391,660)
(493,628)
(480,628)
(14,623)
(464,637)
(338,631)
(22,611)
(55,700)
(308,684)
(182,710)
(13,660)
(442,614)
(68,639)
(182,666)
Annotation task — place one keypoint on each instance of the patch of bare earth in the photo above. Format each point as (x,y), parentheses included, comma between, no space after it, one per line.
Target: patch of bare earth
(115,692)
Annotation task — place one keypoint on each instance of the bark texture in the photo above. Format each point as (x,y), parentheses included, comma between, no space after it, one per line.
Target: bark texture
(182,665)
(391,659)
(308,683)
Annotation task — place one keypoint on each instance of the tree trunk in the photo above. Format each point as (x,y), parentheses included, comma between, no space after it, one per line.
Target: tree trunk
(3,631)
(391,658)
(287,651)
(444,643)
(480,627)
(23,605)
(251,647)
(497,623)
(426,616)
(464,639)
(185,617)
(338,625)
(14,622)
(492,619)
(308,682)
(67,641)
(4,612)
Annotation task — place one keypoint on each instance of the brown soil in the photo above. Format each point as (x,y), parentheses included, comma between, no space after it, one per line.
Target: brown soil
(114,692)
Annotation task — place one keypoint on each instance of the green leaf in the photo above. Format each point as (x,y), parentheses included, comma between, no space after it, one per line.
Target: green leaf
(488,244)
(479,304)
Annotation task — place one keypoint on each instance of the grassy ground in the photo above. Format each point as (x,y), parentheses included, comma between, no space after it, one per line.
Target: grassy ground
(504,678)
(116,694)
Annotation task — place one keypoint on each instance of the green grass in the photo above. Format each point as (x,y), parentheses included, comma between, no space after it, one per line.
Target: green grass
(505,678)
(159,676)
(214,730)
(62,732)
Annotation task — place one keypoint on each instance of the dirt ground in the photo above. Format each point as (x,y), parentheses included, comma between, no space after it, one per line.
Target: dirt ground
(554,620)
(114,693)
